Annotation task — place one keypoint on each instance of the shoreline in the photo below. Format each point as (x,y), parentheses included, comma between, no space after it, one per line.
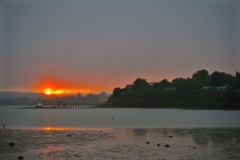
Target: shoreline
(181,108)
(107,129)
(123,107)
(150,143)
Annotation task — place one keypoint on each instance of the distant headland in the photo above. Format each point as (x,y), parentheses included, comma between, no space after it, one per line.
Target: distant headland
(32,99)
(217,90)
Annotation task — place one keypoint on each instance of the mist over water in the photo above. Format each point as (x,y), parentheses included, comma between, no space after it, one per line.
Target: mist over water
(116,118)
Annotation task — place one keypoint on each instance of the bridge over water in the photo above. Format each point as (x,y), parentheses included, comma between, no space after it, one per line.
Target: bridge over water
(77,105)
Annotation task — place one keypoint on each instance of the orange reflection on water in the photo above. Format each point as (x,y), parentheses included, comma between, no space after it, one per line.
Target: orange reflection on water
(55,128)
(48,128)
(51,150)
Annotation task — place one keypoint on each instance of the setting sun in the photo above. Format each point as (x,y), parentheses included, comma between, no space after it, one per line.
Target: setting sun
(48,91)
(58,91)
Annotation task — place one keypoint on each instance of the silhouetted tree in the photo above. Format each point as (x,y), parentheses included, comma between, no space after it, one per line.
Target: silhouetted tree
(188,92)
(216,79)
(163,84)
(186,83)
(127,97)
(202,76)
(138,84)
(177,80)
(117,92)
(238,80)
(228,78)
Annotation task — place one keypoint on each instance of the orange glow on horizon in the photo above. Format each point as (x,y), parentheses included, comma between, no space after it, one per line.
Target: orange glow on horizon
(54,128)
(50,91)
(50,86)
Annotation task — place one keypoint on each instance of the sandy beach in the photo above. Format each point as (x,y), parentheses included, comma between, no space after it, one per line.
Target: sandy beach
(219,144)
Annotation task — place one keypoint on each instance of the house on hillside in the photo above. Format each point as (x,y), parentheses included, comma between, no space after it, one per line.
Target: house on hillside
(206,87)
(150,84)
(220,88)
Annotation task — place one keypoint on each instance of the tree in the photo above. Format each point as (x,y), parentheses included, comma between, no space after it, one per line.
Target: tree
(201,76)
(177,80)
(186,83)
(138,84)
(163,84)
(114,101)
(117,92)
(216,79)
(228,78)
(238,80)
(127,97)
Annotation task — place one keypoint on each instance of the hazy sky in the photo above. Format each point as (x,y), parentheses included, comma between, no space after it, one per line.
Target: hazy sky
(95,46)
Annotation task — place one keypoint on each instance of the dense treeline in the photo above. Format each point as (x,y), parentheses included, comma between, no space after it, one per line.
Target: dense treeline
(221,91)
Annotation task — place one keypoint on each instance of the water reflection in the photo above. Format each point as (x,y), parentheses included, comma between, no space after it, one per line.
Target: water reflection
(121,144)
(58,128)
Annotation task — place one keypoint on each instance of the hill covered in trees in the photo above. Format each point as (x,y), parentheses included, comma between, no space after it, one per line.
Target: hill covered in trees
(218,90)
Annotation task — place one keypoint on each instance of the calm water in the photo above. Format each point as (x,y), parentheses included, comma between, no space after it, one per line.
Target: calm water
(116,118)
(119,134)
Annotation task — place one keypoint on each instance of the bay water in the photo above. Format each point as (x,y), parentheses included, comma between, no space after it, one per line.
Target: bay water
(16,118)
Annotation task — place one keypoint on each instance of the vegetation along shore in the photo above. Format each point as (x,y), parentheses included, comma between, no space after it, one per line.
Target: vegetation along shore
(218,90)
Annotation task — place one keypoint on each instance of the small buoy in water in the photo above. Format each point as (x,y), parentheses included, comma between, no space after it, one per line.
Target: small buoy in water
(112,118)
(170,136)
(167,145)
(20,158)
(158,145)
(11,144)
(69,135)
(147,142)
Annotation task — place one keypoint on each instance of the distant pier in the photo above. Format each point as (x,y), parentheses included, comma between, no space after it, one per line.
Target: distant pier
(67,106)
(77,105)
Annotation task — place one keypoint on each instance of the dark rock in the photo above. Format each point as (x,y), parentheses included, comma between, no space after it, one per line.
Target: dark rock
(147,142)
(170,136)
(158,145)
(20,158)
(167,145)
(11,144)
(69,135)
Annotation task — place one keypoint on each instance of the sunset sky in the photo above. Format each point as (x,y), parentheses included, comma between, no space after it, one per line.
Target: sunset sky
(94,46)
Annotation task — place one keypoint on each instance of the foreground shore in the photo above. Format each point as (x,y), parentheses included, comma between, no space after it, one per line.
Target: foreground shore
(168,144)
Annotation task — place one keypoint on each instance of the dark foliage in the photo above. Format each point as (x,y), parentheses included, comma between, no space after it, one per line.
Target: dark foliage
(181,92)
